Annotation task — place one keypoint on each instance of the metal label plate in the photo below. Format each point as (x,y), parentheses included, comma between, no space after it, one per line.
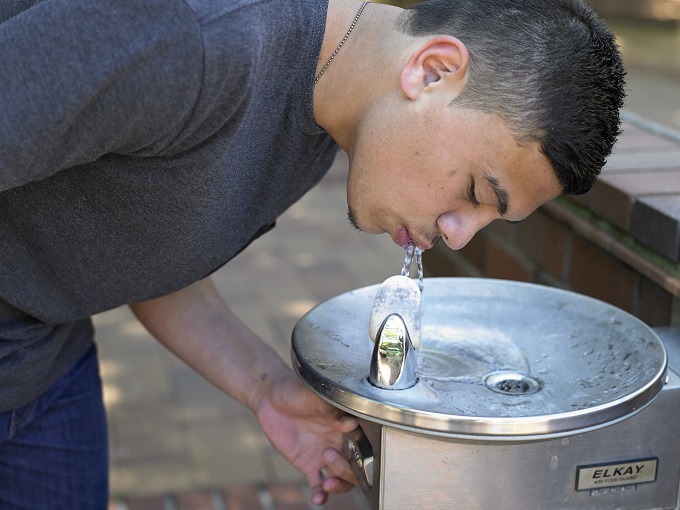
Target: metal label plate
(614,474)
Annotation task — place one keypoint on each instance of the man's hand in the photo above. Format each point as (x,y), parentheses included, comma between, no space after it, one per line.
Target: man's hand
(308,432)
(198,327)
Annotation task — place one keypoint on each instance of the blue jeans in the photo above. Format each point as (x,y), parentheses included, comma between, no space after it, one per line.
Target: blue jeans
(53,451)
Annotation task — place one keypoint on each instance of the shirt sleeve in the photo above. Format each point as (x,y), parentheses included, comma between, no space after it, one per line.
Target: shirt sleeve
(83,78)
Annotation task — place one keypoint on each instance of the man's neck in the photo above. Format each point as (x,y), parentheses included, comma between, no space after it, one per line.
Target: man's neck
(361,69)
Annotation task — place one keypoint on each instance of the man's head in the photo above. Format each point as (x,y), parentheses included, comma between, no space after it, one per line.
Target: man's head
(549,68)
(475,110)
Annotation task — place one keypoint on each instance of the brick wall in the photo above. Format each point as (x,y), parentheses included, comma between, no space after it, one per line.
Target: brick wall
(619,243)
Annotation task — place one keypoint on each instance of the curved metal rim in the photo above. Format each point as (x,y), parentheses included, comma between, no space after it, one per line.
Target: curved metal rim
(487,428)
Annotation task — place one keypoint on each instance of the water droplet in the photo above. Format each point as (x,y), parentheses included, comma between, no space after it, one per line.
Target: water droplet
(553,462)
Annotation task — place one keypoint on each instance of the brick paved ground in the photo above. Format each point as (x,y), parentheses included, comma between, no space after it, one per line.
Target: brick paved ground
(274,496)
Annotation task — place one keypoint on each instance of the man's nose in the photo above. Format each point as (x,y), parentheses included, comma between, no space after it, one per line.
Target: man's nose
(457,229)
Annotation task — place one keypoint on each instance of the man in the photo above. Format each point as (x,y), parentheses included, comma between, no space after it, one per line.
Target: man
(144,144)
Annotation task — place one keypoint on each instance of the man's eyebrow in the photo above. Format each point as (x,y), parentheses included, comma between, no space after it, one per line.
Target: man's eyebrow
(500,192)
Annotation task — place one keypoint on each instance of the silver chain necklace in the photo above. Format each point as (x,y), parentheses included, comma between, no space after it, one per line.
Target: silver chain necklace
(351,27)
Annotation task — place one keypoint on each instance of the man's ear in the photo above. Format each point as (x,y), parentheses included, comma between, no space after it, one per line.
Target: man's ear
(442,57)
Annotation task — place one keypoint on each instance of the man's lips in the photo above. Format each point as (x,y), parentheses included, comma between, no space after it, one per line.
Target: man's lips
(402,237)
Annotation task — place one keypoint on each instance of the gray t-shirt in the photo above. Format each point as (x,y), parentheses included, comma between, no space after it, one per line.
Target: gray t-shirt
(142,146)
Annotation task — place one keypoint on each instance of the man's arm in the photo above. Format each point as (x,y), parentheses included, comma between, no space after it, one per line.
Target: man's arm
(199,328)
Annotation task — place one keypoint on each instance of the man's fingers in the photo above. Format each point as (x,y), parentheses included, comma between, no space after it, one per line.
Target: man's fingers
(337,477)
(338,467)
(319,495)
(333,485)
(345,423)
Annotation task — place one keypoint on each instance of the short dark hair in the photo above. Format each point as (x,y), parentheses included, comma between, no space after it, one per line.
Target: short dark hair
(551,69)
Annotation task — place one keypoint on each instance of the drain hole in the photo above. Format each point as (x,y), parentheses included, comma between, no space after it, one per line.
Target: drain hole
(511,383)
(512,386)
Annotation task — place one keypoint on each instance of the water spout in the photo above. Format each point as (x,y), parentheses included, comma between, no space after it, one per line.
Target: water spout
(393,364)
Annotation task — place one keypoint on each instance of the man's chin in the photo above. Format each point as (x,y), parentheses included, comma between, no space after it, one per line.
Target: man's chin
(353,219)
